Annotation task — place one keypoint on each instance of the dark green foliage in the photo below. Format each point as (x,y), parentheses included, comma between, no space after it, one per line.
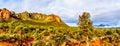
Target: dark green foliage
(118,31)
(85,23)
(58,38)
(108,33)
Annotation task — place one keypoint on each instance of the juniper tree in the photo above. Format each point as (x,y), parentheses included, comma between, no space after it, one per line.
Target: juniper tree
(85,23)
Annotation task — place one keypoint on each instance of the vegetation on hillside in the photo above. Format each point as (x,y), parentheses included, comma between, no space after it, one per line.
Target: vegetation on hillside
(37,29)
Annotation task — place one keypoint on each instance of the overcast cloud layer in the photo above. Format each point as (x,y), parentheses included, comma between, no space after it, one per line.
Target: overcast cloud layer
(102,11)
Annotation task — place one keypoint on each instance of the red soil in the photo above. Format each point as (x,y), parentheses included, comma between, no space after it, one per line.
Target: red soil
(6,44)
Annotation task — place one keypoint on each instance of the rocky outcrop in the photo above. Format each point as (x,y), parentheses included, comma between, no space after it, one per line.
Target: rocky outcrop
(27,16)
(5,14)
(52,18)
(38,16)
(24,15)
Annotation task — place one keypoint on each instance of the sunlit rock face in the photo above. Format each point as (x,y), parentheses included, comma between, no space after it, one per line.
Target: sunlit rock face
(5,14)
(52,18)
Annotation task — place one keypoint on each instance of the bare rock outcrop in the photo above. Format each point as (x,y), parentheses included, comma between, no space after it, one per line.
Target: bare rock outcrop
(5,14)
(52,18)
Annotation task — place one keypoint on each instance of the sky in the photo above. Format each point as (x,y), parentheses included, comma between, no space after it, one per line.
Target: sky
(101,11)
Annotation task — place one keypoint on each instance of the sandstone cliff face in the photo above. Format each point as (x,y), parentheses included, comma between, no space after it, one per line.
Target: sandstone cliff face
(39,16)
(52,18)
(5,14)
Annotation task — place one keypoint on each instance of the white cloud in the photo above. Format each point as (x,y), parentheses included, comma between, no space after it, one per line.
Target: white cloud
(72,24)
(118,24)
